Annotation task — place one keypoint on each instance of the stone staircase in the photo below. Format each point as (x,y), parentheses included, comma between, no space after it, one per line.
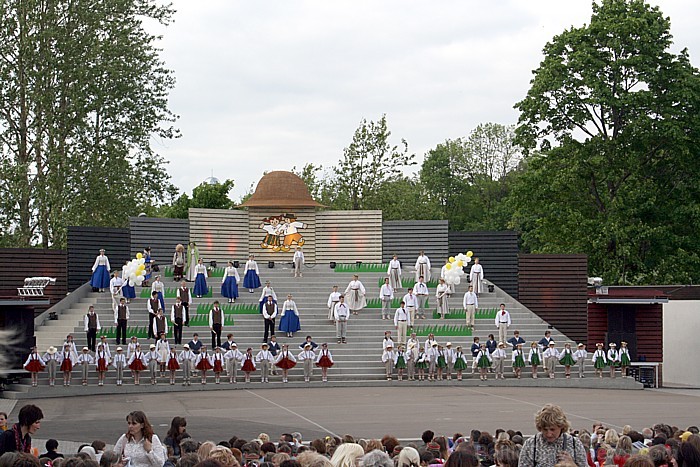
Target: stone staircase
(357,361)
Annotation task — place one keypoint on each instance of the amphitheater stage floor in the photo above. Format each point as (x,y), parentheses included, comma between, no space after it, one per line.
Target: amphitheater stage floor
(365,412)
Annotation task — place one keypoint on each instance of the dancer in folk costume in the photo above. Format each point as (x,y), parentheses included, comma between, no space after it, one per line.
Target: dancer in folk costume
(470,303)
(121,318)
(400,361)
(613,358)
(389,361)
(411,301)
(216,323)
(474,349)
(421,363)
(178,316)
(441,363)
(355,295)
(599,360)
(581,355)
(625,360)
(248,365)
(160,324)
(173,365)
(518,360)
(307,357)
(263,359)
(251,274)
(497,357)
(100,272)
(232,356)
(441,294)
(101,364)
(163,349)
(387,341)
(152,305)
(432,355)
(502,322)
(67,362)
(153,362)
(85,359)
(132,346)
(192,262)
(34,365)
(285,361)
(402,321)
(341,315)
(483,361)
(119,363)
(333,298)
(137,363)
(73,349)
(551,357)
(200,282)
(394,273)
(476,277)
(179,262)
(52,359)
(128,290)
(423,267)
(186,359)
(105,346)
(218,363)
(411,359)
(115,290)
(289,320)
(267,291)
(298,260)
(386,295)
(459,362)
(324,359)
(229,283)
(185,296)
(147,264)
(534,358)
(567,358)
(449,358)
(203,363)
(420,288)
(159,287)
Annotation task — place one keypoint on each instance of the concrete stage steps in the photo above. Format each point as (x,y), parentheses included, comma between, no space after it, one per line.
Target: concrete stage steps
(357,361)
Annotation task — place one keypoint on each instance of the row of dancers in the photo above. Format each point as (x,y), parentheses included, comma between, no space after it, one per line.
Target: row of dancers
(190,363)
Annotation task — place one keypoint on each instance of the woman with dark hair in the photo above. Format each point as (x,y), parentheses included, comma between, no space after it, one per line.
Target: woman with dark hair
(139,444)
(18,437)
(175,435)
(462,459)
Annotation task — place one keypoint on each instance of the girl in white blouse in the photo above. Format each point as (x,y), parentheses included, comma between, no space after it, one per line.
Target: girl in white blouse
(139,444)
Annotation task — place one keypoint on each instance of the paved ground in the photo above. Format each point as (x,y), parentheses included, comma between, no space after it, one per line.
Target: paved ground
(366,412)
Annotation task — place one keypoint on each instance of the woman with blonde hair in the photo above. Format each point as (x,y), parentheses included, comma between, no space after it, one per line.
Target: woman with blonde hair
(347,455)
(224,455)
(205,448)
(373,444)
(552,444)
(408,457)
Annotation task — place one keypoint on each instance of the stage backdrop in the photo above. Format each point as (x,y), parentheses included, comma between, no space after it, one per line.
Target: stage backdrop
(497,252)
(407,238)
(349,236)
(554,287)
(161,234)
(220,234)
(84,245)
(17,264)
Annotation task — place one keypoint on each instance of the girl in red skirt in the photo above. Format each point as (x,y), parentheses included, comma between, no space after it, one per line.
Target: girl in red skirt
(218,364)
(101,363)
(34,365)
(324,360)
(173,364)
(286,361)
(248,364)
(66,364)
(137,363)
(204,363)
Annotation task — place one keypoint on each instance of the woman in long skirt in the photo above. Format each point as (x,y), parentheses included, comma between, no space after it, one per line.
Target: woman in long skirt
(192,262)
(251,274)
(200,283)
(100,272)
(128,291)
(229,283)
(394,273)
(289,322)
(441,295)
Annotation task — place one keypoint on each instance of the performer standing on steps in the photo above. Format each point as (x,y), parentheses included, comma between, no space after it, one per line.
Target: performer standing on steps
(92,325)
(411,301)
(420,288)
(402,320)
(324,359)
(333,298)
(229,283)
(192,262)
(423,267)
(152,305)
(115,288)
(355,295)
(179,261)
(251,274)
(471,305)
(341,314)
(269,315)
(183,293)
(386,295)
(476,276)
(178,316)
(502,322)
(581,356)
(267,290)
(298,260)
(159,288)
(160,324)
(100,272)
(394,273)
(216,321)
(121,317)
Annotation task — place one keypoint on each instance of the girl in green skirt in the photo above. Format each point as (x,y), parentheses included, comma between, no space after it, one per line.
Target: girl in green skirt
(599,360)
(613,358)
(518,360)
(535,358)
(460,363)
(566,358)
(400,361)
(483,360)
(421,363)
(624,359)
(441,362)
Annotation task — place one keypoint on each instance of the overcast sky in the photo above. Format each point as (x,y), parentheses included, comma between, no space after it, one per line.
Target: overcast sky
(265,86)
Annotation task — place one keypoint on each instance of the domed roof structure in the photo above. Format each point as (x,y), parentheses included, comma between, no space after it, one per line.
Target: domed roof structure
(281,189)
(211,180)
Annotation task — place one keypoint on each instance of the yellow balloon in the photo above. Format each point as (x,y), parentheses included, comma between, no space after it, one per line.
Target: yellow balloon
(460,264)
(452,259)
(139,255)
(448,266)
(141,267)
(470,253)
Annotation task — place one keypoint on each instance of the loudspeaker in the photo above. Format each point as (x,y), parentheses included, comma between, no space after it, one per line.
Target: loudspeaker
(333,264)
(236,264)
(271,264)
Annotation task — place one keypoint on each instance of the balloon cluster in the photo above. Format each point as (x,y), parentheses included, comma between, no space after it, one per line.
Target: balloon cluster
(135,270)
(454,267)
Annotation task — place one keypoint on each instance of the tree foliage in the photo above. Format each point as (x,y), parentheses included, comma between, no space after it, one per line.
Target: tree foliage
(82,93)
(205,195)
(615,116)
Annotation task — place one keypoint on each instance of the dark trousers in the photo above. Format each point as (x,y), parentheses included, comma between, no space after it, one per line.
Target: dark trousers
(177,330)
(121,331)
(91,338)
(216,335)
(151,317)
(269,328)
(186,307)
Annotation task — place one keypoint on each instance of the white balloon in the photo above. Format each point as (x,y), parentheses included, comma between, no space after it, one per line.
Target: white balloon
(131,283)
(139,282)
(457,281)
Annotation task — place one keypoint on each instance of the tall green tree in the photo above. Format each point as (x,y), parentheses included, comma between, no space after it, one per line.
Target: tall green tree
(205,195)
(82,93)
(367,163)
(615,117)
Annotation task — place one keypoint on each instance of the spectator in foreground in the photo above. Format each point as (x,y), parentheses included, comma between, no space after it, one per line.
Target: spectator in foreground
(346,455)
(552,445)
(18,438)
(51,446)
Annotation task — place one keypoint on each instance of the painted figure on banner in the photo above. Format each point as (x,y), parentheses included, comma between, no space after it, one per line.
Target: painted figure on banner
(282,232)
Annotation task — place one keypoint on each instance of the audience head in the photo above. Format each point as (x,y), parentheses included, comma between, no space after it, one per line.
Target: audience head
(376,458)
(462,459)
(408,457)
(111,459)
(427,436)
(223,455)
(347,455)
(551,421)
(139,426)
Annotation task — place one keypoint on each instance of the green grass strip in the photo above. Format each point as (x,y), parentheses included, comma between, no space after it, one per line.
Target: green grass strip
(215,272)
(459,313)
(364,267)
(230,309)
(407,282)
(442,330)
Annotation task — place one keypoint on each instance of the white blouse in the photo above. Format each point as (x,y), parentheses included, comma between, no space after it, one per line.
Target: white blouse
(138,455)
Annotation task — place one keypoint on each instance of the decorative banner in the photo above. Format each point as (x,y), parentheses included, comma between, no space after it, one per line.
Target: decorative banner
(282,232)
